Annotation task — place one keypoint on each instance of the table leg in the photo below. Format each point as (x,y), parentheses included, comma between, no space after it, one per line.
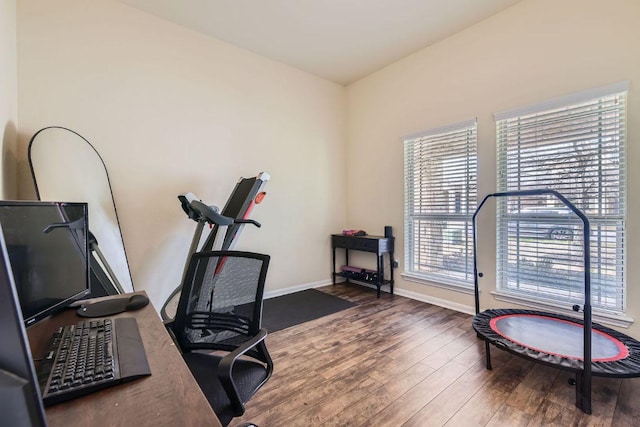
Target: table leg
(334,266)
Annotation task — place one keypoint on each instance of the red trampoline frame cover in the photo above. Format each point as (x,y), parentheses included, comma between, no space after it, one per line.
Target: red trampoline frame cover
(623,351)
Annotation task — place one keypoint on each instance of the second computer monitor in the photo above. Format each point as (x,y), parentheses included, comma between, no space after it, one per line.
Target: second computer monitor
(48,248)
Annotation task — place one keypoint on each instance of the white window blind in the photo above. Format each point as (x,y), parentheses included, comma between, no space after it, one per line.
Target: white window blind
(577,149)
(440,198)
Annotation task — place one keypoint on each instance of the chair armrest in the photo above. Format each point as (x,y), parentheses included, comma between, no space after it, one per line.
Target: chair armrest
(163,311)
(225,369)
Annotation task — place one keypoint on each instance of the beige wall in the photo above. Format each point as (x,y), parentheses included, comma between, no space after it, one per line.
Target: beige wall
(8,99)
(533,51)
(173,111)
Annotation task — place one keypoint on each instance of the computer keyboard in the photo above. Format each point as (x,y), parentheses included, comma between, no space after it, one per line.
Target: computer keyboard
(89,356)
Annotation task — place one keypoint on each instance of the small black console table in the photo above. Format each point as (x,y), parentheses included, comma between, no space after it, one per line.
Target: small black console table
(378,245)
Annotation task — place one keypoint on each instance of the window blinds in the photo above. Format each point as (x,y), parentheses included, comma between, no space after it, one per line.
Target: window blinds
(440,198)
(577,149)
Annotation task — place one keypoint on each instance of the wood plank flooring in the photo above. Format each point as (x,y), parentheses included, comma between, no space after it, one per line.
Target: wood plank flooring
(394,361)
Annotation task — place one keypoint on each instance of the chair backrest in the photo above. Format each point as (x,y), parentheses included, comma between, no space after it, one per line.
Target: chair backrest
(221,301)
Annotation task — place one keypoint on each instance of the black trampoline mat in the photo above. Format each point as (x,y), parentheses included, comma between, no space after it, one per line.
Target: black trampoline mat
(558,337)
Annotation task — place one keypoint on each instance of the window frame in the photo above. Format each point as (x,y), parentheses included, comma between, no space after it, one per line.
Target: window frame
(464,156)
(619,91)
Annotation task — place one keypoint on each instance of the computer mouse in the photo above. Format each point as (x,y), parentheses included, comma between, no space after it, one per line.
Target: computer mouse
(136,302)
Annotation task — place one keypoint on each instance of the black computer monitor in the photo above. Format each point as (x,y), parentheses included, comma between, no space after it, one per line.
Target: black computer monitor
(47,243)
(20,400)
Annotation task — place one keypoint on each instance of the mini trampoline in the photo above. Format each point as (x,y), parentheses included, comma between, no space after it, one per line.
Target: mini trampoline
(577,345)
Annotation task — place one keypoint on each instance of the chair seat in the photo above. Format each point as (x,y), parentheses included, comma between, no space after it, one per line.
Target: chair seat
(248,376)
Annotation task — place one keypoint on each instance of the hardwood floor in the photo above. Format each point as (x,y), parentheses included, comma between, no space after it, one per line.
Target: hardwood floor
(394,361)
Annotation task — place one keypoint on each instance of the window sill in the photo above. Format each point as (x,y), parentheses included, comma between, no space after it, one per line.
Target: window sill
(438,283)
(606,318)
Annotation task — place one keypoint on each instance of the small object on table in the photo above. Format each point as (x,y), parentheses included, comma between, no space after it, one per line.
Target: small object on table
(354,233)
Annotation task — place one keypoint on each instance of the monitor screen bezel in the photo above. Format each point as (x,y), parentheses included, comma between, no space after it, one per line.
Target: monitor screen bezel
(16,352)
(68,299)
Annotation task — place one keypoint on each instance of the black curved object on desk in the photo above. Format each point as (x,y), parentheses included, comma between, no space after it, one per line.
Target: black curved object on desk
(113,305)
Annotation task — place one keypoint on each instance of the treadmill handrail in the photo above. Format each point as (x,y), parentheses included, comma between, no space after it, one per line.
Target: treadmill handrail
(247,221)
(199,212)
(208,214)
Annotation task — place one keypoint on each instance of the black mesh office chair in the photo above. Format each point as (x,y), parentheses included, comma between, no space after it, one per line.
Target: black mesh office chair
(218,327)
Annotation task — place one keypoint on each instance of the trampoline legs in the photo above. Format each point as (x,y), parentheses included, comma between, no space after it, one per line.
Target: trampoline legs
(487,352)
(583,394)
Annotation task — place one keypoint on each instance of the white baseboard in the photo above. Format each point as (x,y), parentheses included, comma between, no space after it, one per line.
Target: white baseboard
(436,301)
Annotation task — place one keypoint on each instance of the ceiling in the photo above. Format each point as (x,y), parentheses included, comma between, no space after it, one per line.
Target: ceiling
(339,40)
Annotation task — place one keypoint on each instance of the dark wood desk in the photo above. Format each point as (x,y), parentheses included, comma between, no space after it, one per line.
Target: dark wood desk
(169,397)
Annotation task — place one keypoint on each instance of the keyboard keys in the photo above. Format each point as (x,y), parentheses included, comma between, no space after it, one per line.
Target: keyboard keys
(85,358)
(79,356)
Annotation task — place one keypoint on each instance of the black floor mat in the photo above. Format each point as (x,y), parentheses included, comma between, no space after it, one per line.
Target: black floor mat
(299,307)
